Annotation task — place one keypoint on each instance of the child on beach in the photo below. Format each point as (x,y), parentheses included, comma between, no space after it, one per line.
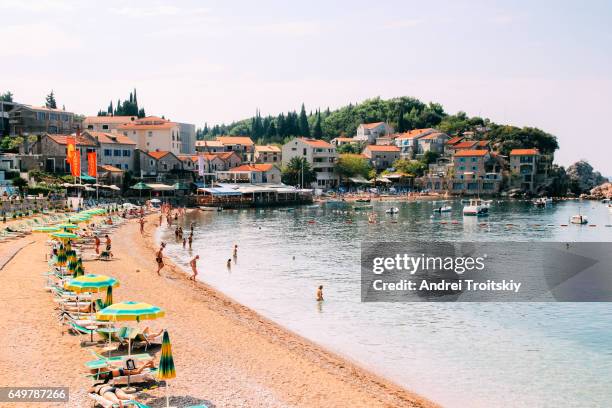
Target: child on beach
(193,264)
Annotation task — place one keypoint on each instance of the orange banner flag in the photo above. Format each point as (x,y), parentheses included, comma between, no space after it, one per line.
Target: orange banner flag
(92,164)
(70,148)
(75,164)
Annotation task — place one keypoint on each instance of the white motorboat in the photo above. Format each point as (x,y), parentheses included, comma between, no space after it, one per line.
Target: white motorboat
(476,207)
(446,208)
(579,219)
(393,210)
(543,201)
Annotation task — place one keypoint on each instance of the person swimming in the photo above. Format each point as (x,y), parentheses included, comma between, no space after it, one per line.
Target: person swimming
(229,263)
(320,293)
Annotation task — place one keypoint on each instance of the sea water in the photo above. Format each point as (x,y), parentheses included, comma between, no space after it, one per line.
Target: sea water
(457,354)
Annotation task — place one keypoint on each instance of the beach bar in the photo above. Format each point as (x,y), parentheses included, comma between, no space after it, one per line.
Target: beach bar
(251,195)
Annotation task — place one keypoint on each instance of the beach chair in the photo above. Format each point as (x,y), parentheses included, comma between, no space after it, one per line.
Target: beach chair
(98,400)
(139,336)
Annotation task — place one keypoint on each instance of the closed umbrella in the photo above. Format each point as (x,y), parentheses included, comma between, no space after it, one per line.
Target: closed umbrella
(166,369)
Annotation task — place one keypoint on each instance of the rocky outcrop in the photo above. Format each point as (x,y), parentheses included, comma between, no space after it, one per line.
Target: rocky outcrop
(582,178)
(602,191)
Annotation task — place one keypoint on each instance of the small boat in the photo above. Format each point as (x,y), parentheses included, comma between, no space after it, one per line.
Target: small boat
(579,219)
(446,208)
(542,202)
(288,209)
(393,210)
(210,208)
(362,207)
(363,200)
(476,207)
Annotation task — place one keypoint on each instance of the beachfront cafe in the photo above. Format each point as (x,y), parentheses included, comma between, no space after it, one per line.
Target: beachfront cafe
(251,195)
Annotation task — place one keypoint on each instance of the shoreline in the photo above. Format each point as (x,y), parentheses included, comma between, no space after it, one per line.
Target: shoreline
(342,366)
(225,354)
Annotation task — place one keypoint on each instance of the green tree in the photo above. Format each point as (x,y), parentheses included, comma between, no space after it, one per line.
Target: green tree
(351,165)
(414,167)
(303,124)
(430,157)
(296,170)
(19,183)
(6,97)
(317,130)
(50,101)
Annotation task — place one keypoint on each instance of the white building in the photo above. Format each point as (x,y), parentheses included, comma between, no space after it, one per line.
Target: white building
(115,149)
(369,132)
(268,154)
(106,123)
(153,133)
(321,156)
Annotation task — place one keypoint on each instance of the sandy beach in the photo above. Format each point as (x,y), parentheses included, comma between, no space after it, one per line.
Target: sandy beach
(225,354)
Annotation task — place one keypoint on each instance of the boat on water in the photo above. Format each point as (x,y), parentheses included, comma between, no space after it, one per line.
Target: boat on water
(363,207)
(579,219)
(443,209)
(363,200)
(476,207)
(393,210)
(542,201)
(211,208)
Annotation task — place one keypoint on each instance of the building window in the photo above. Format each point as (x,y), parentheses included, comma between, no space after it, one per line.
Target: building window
(105,127)
(127,153)
(90,127)
(149,133)
(126,166)
(117,153)
(53,116)
(108,152)
(40,116)
(64,117)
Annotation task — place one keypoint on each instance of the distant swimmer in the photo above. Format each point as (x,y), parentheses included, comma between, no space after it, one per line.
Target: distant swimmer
(235,251)
(190,240)
(229,263)
(184,242)
(320,293)
(193,264)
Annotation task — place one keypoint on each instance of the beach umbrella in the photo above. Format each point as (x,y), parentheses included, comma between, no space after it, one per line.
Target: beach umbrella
(72,266)
(67,226)
(109,296)
(166,369)
(45,229)
(141,186)
(61,256)
(91,283)
(79,271)
(64,235)
(134,311)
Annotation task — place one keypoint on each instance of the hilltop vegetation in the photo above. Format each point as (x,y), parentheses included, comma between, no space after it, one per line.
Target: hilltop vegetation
(403,113)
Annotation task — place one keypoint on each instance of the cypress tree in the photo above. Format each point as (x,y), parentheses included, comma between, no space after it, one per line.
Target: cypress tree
(317,131)
(304,129)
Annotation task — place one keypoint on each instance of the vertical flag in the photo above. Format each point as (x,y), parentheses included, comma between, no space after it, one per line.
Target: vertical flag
(201,165)
(75,165)
(70,148)
(92,164)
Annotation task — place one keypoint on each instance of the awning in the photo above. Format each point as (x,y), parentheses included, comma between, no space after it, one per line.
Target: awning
(160,187)
(221,191)
(85,177)
(359,180)
(141,186)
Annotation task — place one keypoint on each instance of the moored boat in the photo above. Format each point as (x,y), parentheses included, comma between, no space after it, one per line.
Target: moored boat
(393,210)
(446,208)
(476,207)
(579,219)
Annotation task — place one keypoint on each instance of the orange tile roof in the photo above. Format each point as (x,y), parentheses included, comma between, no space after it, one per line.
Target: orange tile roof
(316,142)
(212,156)
(253,167)
(148,123)
(483,143)
(158,154)
(268,149)
(524,152)
(80,141)
(471,153)
(411,134)
(108,167)
(185,157)
(433,136)
(468,144)
(109,119)
(382,148)
(241,140)
(371,125)
(105,137)
(345,139)
(454,140)
(44,108)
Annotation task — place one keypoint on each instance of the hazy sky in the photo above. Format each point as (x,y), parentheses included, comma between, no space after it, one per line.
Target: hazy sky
(528,63)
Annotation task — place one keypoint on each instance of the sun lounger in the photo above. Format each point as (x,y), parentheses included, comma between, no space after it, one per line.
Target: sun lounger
(118,361)
(98,400)
(148,375)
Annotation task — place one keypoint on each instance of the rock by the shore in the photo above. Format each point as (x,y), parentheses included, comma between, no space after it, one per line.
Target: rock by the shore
(602,191)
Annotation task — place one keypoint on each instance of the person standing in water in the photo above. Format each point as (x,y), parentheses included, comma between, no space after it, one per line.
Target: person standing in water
(194,269)
(229,264)
(320,293)
(190,240)
(97,243)
(235,251)
(184,242)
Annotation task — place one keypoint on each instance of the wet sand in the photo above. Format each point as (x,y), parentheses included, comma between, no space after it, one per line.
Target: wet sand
(225,354)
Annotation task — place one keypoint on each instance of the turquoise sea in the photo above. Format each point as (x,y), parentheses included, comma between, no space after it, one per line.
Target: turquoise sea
(457,354)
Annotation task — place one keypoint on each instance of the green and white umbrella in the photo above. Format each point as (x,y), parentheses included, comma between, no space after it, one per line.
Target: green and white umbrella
(64,235)
(166,369)
(90,283)
(45,229)
(67,226)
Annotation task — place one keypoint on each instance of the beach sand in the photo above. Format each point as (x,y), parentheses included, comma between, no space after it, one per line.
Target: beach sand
(225,354)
